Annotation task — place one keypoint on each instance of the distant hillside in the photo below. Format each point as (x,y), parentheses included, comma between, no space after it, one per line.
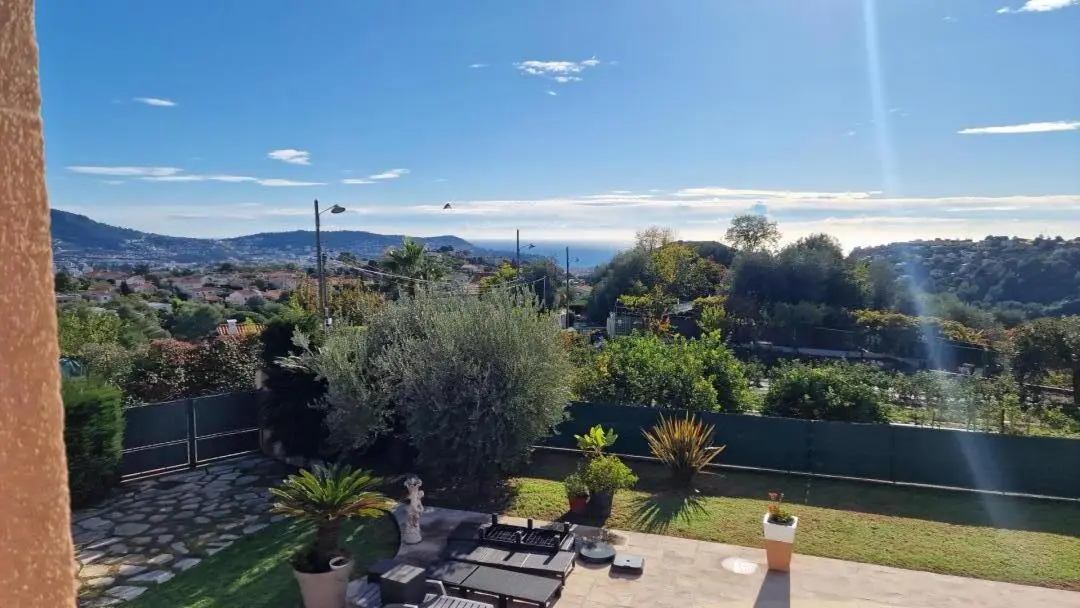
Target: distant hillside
(1038,275)
(77,238)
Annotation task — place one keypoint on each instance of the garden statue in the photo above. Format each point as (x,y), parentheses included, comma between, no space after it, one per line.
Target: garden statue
(411,533)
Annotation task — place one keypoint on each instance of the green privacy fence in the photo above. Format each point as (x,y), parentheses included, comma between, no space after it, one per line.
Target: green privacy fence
(979,461)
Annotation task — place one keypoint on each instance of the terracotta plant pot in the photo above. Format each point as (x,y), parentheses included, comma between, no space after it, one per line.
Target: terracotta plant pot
(578,503)
(325,589)
(779,541)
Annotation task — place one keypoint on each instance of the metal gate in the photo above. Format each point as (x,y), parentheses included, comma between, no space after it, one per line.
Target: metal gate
(183,434)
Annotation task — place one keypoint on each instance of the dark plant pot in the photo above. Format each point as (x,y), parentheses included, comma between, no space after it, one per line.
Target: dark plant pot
(578,503)
(600,503)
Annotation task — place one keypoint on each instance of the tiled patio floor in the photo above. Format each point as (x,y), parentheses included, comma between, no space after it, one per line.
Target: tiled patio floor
(682,573)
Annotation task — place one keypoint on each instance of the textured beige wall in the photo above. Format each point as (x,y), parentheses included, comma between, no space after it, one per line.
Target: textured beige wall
(35,534)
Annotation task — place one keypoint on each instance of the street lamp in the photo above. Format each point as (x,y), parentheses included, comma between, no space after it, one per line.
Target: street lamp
(319,266)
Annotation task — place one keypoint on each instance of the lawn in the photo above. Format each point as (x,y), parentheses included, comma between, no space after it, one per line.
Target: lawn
(1018,540)
(255,571)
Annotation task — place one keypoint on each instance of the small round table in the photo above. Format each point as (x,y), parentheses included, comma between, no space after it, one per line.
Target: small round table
(596,552)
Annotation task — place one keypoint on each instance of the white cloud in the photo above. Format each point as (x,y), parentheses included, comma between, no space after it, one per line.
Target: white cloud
(354,181)
(737,193)
(391,174)
(155,101)
(559,71)
(1039,6)
(114,182)
(477,66)
(851,134)
(125,171)
(291,156)
(285,183)
(949,19)
(1031,127)
(231,179)
(552,93)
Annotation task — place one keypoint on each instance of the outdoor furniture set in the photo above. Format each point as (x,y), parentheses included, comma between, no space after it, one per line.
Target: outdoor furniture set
(510,563)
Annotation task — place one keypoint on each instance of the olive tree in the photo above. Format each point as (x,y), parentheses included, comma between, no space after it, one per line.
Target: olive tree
(476,382)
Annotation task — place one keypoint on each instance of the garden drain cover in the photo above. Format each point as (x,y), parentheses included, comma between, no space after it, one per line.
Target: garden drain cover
(739,565)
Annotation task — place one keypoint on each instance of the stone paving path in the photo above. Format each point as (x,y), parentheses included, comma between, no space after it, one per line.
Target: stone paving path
(150,530)
(684,573)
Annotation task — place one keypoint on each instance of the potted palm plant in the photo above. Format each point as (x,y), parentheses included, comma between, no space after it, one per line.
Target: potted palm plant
(327,496)
(577,493)
(779,533)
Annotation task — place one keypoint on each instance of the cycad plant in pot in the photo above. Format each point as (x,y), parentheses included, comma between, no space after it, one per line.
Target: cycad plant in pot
(326,497)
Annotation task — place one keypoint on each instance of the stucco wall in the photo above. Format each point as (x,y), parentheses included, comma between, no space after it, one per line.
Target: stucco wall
(35,536)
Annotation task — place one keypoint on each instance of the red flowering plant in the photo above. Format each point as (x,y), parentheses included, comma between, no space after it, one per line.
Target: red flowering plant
(777,514)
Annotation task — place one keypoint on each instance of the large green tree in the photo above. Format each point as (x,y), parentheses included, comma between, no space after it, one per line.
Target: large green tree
(1046,345)
(752,232)
(476,381)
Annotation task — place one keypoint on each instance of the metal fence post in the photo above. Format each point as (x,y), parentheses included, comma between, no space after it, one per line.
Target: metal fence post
(193,457)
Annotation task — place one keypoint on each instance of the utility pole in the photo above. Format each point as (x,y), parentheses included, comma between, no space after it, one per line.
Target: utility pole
(517,249)
(319,268)
(568,287)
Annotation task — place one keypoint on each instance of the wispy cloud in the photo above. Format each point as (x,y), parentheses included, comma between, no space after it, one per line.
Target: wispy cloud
(113,182)
(477,66)
(125,171)
(552,93)
(949,19)
(355,181)
(271,182)
(1039,6)
(291,156)
(559,71)
(155,101)
(391,174)
(1031,127)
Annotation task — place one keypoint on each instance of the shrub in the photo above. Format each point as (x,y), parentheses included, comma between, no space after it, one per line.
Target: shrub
(596,441)
(829,392)
(93,437)
(479,383)
(684,446)
(698,375)
(476,381)
(287,409)
(606,474)
(575,485)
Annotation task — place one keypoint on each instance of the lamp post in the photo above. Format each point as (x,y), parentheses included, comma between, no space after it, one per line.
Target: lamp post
(320,268)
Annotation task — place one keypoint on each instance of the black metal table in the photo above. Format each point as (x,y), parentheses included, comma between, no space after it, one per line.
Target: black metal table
(558,564)
(505,585)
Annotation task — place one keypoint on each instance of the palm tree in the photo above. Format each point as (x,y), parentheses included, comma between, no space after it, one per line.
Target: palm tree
(327,496)
(412,261)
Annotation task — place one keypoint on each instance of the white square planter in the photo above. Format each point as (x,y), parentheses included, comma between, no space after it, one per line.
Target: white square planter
(779,533)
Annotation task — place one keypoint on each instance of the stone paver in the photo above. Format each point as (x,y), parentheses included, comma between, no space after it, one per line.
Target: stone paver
(683,573)
(152,529)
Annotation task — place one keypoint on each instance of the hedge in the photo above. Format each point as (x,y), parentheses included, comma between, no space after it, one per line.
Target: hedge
(93,437)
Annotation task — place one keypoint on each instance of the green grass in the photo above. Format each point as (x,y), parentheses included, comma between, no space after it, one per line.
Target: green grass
(1018,540)
(255,571)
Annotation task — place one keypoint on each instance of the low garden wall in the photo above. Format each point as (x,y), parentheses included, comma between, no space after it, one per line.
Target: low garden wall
(1043,466)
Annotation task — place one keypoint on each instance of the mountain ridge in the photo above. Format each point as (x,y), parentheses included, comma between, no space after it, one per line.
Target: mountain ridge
(78,237)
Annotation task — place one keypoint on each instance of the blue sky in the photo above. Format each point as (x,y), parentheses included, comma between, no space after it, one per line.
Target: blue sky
(873,121)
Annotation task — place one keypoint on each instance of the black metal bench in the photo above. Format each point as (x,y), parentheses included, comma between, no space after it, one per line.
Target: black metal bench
(503,584)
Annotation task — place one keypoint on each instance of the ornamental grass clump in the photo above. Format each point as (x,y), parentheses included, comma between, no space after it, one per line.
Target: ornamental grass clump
(683,445)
